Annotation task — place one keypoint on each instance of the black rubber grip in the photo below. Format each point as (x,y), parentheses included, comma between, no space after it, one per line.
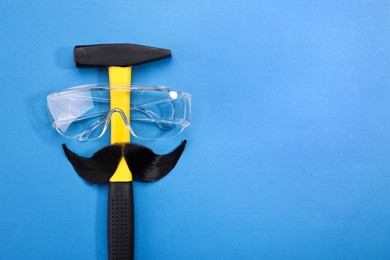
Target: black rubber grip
(121,221)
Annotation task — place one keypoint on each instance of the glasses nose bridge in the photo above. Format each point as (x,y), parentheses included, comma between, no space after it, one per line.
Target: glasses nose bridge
(118,112)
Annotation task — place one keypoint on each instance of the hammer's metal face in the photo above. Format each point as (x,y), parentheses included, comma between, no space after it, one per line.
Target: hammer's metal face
(122,55)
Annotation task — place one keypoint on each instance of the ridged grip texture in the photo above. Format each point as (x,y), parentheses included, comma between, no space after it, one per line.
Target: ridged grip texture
(121,221)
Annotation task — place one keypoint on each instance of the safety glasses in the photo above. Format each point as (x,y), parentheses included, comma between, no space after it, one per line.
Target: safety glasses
(84,113)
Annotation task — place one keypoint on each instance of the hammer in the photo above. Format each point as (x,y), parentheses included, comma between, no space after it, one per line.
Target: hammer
(119,58)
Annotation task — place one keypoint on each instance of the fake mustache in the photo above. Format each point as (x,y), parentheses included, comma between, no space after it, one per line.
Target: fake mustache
(143,163)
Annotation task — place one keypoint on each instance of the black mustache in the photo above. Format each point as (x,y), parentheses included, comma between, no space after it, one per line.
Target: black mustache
(143,163)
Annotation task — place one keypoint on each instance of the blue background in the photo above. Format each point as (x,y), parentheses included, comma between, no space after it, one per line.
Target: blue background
(288,151)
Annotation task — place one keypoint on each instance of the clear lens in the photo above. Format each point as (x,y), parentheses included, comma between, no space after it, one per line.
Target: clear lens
(83,112)
(157,114)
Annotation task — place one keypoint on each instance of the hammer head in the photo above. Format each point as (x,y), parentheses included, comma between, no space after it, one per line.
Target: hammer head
(121,55)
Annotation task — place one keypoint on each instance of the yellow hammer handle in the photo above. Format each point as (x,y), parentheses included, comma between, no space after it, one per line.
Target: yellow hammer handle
(120,77)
